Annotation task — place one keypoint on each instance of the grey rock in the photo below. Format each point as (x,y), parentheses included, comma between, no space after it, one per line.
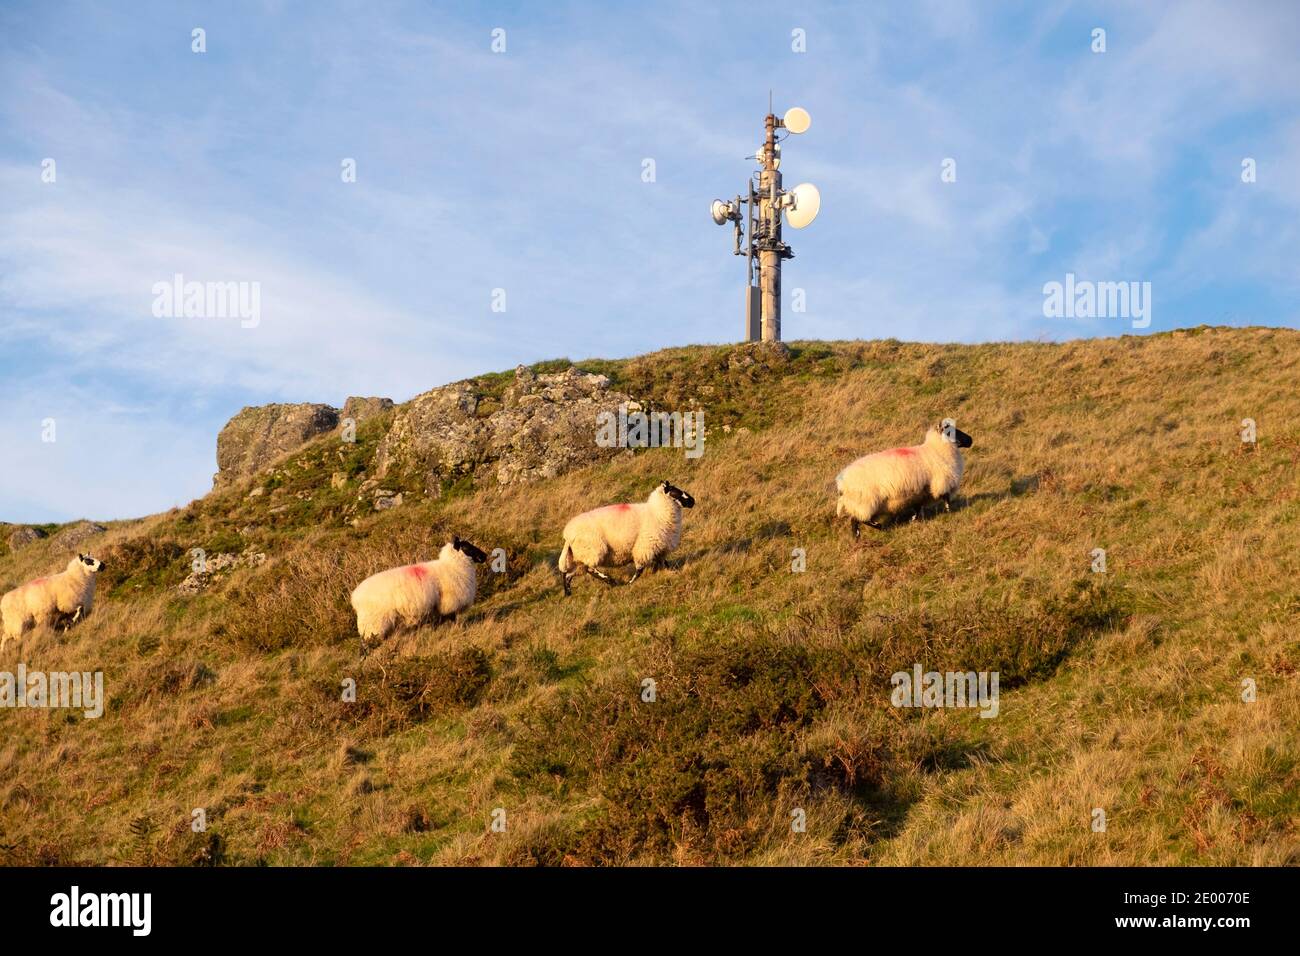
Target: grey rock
(216,566)
(74,536)
(259,435)
(359,409)
(24,536)
(436,433)
(545,425)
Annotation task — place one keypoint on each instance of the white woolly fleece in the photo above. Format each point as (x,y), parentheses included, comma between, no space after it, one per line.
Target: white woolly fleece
(621,534)
(414,593)
(889,482)
(45,600)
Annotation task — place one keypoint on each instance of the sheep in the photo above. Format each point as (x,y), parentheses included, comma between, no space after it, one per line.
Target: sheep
(414,593)
(641,534)
(66,597)
(900,479)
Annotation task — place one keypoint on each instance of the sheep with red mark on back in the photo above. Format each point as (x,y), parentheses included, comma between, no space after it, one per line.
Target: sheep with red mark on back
(638,534)
(891,482)
(413,594)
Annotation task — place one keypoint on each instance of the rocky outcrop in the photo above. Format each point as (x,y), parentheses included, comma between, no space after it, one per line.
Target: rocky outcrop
(437,431)
(542,426)
(217,566)
(23,536)
(360,409)
(548,425)
(259,435)
(76,535)
(538,427)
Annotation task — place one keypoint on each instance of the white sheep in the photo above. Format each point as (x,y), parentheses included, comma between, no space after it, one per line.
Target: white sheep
(63,598)
(415,593)
(901,479)
(640,534)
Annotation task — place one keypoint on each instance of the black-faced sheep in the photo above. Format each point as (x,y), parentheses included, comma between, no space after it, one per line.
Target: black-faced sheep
(638,534)
(902,479)
(63,598)
(415,593)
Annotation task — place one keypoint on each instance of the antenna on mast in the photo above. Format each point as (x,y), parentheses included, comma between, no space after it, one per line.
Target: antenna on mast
(766,202)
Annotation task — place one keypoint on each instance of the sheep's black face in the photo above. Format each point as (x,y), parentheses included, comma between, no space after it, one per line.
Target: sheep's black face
(951,433)
(681,497)
(464,547)
(90,563)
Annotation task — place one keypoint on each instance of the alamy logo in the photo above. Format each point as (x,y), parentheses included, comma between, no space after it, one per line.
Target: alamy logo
(638,429)
(1098,300)
(75,690)
(949,689)
(103,909)
(208,300)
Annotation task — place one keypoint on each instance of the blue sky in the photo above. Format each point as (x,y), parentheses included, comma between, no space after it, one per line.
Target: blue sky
(522,171)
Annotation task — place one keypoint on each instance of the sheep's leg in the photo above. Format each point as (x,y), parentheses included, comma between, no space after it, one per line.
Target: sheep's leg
(931,508)
(602,575)
(636,573)
(856,527)
(568,582)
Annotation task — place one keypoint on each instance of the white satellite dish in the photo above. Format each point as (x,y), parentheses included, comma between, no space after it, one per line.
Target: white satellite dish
(804,202)
(720,211)
(796,120)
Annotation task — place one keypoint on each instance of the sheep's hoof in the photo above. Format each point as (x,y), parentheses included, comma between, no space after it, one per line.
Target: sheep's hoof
(635,574)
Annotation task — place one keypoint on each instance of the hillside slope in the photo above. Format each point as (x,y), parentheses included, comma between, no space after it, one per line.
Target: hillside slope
(1120,691)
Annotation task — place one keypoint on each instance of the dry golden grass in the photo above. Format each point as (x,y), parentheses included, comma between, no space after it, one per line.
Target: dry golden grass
(1120,691)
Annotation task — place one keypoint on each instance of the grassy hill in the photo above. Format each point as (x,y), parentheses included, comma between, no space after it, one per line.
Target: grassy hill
(1120,691)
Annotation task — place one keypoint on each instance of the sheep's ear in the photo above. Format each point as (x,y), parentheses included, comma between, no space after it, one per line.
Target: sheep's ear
(455,541)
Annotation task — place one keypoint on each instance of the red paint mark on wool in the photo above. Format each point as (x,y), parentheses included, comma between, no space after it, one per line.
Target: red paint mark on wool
(903,452)
(417,571)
